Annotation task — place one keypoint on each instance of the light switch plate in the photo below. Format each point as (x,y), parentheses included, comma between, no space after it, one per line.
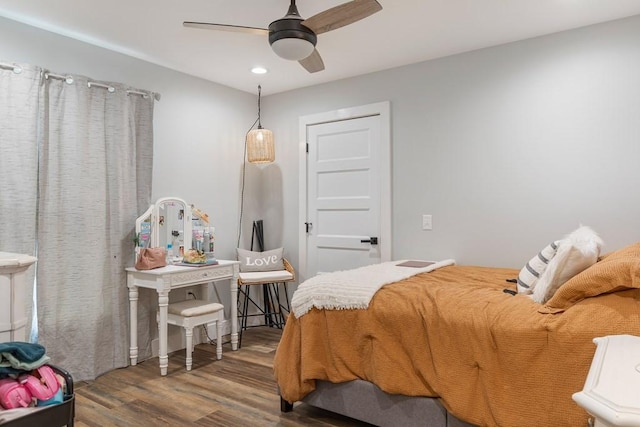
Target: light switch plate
(427,222)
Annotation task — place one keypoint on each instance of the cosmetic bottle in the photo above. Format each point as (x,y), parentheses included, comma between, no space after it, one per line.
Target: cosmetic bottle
(169,254)
(206,241)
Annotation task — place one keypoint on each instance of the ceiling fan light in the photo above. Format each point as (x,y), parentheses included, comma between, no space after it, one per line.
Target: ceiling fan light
(293,49)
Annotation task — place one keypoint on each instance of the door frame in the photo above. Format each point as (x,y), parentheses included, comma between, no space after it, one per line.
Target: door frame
(381,109)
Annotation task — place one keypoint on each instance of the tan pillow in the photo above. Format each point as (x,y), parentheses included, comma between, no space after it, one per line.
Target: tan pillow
(619,270)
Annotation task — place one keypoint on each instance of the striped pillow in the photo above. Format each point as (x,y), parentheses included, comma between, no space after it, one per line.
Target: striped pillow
(577,252)
(531,272)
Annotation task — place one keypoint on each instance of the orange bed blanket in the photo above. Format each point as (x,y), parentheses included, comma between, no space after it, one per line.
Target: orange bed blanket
(493,359)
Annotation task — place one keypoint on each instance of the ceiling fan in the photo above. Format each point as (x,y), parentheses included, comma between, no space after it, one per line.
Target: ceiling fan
(293,37)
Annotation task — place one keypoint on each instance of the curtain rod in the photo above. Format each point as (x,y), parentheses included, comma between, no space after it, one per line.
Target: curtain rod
(111,89)
(69,79)
(15,68)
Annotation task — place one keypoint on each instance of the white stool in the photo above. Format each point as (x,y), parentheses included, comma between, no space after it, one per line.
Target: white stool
(191,313)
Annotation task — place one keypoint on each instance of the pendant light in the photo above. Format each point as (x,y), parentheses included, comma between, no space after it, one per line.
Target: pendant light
(260,146)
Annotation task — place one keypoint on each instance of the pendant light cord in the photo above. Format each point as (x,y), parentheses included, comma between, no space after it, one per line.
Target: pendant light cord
(259,97)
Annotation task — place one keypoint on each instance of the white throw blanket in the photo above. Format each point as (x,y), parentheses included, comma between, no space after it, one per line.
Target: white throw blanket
(352,289)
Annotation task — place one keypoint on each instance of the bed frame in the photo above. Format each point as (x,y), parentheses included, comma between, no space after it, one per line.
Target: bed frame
(364,401)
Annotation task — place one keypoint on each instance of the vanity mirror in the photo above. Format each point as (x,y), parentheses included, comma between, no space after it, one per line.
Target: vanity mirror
(167,222)
(175,225)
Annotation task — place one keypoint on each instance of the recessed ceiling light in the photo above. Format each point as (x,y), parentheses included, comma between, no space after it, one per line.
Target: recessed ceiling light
(259,70)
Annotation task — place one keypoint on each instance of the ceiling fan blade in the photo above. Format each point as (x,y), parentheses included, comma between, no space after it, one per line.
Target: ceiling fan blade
(224,27)
(312,63)
(341,15)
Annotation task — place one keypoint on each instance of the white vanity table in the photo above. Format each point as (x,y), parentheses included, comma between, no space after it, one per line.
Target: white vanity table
(163,280)
(13,291)
(171,221)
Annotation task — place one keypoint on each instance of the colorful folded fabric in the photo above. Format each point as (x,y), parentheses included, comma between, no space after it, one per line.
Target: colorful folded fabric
(17,356)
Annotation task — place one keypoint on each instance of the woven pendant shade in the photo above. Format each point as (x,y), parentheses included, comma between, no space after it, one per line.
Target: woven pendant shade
(260,146)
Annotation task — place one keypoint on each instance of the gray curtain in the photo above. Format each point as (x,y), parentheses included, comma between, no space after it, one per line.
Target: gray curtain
(20,96)
(93,179)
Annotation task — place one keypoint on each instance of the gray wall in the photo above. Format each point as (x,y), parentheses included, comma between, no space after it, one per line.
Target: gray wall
(508,148)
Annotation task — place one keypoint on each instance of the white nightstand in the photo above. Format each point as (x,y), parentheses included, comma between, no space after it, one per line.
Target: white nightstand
(611,392)
(13,296)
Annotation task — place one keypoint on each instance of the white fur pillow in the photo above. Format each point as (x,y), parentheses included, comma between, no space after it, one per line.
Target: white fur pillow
(577,252)
(532,271)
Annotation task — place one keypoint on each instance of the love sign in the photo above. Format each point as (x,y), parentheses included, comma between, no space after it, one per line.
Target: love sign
(262,262)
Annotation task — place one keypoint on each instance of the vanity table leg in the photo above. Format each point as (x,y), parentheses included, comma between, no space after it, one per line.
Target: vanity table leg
(133,324)
(163,305)
(234,309)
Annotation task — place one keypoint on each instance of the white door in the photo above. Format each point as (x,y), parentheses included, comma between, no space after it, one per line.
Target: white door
(347,182)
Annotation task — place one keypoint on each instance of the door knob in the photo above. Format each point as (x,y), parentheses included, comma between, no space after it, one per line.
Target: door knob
(372,240)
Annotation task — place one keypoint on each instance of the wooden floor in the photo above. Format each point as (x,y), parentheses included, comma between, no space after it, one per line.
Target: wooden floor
(238,390)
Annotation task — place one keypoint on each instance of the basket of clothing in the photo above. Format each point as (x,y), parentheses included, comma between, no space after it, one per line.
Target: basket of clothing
(33,392)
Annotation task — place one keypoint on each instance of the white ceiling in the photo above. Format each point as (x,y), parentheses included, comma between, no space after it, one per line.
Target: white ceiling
(404,32)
